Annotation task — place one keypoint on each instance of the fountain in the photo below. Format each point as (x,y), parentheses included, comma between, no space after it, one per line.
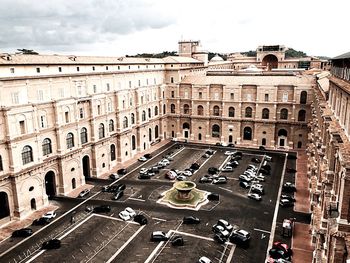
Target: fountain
(184,195)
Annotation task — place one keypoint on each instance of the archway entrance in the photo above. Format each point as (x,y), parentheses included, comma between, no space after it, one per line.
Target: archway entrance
(282,138)
(74,183)
(186,129)
(270,62)
(4,205)
(86,166)
(300,144)
(199,136)
(33,204)
(263,141)
(50,184)
(230,139)
(247,133)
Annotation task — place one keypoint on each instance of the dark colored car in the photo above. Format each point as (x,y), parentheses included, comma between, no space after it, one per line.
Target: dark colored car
(41,221)
(118,195)
(256,160)
(121,187)
(264,171)
(177,240)
(244,184)
(289,187)
(240,238)
(291,170)
(238,154)
(213,170)
(262,148)
(219,238)
(266,167)
(144,176)
(286,203)
(147,155)
(230,145)
(51,244)
(122,171)
(234,163)
(102,209)
(213,197)
(191,220)
(288,197)
(141,219)
(206,179)
(195,166)
(24,232)
(218,144)
(114,176)
(159,236)
(210,152)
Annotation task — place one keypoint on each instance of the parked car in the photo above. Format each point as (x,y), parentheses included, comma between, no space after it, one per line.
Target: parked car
(171,175)
(210,152)
(259,178)
(195,166)
(264,171)
(50,215)
(41,221)
(245,178)
(220,180)
(256,160)
(230,152)
(206,156)
(280,250)
(120,187)
(213,197)
(187,172)
(51,244)
(122,171)
(191,220)
(124,215)
(257,188)
(254,196)
(118,195)
(234,163)
(102,209)
(220,238)
(181,178)
(227,169)
(114,176)
(286,203)
(289,187)
(262,148)
(142,159)
(141,219)
(219,229)
(225,224)
(159,236)
(204,260)
(240,237)
(266,167)
(83,193)
(252,167)
(268,158)
(177,240)
(288,197)
(213,170)
(144,176)
(206,179)
(23,232)
(147,156)
(244,184)
(131,211)
(230,145)
(105,188)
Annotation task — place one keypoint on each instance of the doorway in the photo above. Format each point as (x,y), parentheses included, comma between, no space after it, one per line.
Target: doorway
(50,184)
(86,166)
(33,204)
(4,205)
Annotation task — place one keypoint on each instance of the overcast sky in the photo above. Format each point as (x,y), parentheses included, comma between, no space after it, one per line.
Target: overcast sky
(120,27)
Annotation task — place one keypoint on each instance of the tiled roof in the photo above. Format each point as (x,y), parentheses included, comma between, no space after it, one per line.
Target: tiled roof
(175,59)
(345,55)
(344,85)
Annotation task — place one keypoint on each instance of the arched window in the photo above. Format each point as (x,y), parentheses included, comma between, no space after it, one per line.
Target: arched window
(70,140)
(301,115)
(282,132)
(247,133)
(143,116)
(215,131)
(27,154)
(284,114)
(172,108)
(133,142)
(132,118)
(156,132)
(1,166)
(125,122)
(231,112)
(83,135)
(200,110)
(265,113)
(149,113)
(185,126)
(46,145)
(150,134)
(216,111)
(248,112)
(164,109)
(303,97)
(101,131)
(111,125)
(112,152)
(186,109)
(263,141)
(155,110)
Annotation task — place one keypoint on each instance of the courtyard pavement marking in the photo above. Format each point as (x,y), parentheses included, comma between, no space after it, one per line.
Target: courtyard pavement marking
(223,188)
(224,162)
(125,244)
(260,230)
(137,199)
(229,258)
(273,226)
(159,219)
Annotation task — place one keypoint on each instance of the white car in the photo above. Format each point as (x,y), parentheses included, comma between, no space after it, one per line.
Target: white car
(143,171)
(181,178)
(124,215)
(166,161)
(143,159)
(227,169)
(268,158)
(230,152)
(254,196)
(204,260)
(187,173)
(260,178)
(50,215)
(131,211)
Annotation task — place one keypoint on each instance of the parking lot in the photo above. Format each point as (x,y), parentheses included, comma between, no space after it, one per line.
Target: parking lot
(106,238)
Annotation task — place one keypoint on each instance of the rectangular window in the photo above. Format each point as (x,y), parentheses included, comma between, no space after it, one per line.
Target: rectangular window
(99,109)
(147,82)
(37,70)
(42,121)
(118,67)
(285,97)
(12,70)
(109,105)
(171,79)
(139,83)
(232,96)
(22,127)
(93,68)
(173,94)
(155,81)
(95,88)
(216,96)
(108,87)
(129,83)
(61,92)
(66,116)
(79,90)
(141,99)
(59,69)
(266,97)
(40,95)
(200,95)
(106,67)
(81,113)
(14,97)
(78,69)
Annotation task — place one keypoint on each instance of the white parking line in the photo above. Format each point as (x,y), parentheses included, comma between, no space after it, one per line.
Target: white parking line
(159,219)
(229,258)
(125,244)
(264,231)
(223,188)
(137,199)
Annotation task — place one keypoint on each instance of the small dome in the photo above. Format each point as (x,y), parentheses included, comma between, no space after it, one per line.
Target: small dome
(252,68)
(216,58)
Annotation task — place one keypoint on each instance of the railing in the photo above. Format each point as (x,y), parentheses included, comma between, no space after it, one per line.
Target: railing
(343,73)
